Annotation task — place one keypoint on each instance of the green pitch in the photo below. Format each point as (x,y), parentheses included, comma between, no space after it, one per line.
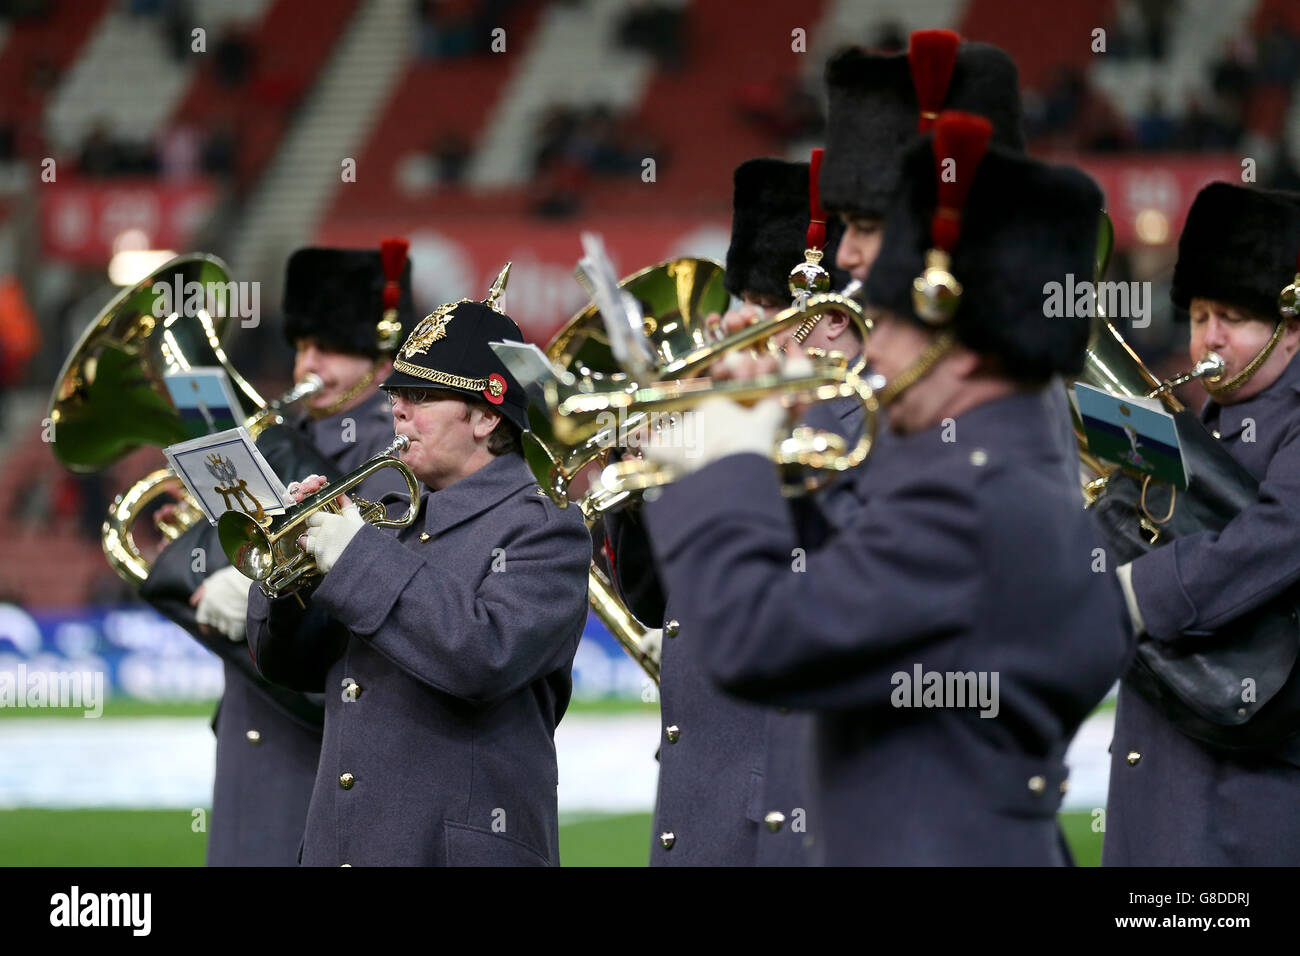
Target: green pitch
(168,838)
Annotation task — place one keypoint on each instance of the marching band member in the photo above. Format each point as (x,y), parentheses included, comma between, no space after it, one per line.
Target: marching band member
(968,545)
(876,105)
(1175,801)
(344,311)
(732,775)
(447,652)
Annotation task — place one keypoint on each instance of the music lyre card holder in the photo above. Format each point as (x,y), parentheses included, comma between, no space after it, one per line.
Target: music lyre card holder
(1135,433)
(225,472)
(205,399)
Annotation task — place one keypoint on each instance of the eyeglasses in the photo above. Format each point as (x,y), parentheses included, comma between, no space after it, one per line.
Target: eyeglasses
(414,396)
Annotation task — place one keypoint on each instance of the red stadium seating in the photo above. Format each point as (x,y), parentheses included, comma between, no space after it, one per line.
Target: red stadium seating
(262,108)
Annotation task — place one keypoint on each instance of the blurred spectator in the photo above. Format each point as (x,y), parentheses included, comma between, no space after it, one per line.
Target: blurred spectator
(42,76)
(179,151)
(1075,116)
(219,152)
(593,140)
(100,155)
(1062,105)
(451,155)
(1201,130)
(31,506)
(558,193)
(104,155)
(233,55)
(1100,128)
(1154,129)
(176,20)
(888,37)
(1155,16)
(1286,174)
(573,145)
(1234,73)
(447,28)
(1278,50)
(20,337)
(786,112)
(25,9)
(657,29)
(8,140)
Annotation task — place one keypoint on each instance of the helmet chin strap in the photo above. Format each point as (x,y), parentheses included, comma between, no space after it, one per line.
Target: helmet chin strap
(1253,366)
(917,370)
(362,384)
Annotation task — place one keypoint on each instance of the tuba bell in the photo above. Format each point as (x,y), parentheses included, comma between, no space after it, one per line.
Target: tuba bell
(1111,364)
(111,398)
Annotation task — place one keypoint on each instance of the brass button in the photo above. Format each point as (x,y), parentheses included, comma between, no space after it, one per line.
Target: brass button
(351,689)
(672,732)
(254,736)
(1133,758)
(774,820)
(667,839)
(671,628)
(346,780)
(424,536)
(344,864)
(1037,783)
(979,458)
(1216,434)
(1065,785)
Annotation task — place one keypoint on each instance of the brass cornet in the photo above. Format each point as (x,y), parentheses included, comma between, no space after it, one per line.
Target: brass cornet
(273,557)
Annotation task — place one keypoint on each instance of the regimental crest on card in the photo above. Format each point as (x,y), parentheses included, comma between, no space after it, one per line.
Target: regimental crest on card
(233,488)
(226,472)
(432,328)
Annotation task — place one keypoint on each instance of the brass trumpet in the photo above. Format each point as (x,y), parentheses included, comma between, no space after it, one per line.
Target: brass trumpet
(674,297)
(806,456)
(273,557)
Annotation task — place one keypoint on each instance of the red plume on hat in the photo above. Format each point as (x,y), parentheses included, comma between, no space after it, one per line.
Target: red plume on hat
(392,258)
(816,238)
(932,54)
(959,143)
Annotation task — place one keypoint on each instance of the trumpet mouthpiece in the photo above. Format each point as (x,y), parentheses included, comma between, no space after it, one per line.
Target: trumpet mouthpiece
(1211,366)
(399,445)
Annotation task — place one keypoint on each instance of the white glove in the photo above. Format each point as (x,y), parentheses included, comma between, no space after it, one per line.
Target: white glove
(329,534)
(224,604)
(717,428)
(1125,574)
